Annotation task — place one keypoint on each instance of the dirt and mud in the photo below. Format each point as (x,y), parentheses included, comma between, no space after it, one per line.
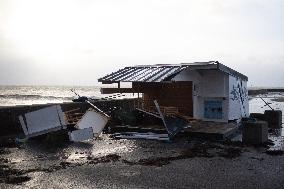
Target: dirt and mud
(29,164)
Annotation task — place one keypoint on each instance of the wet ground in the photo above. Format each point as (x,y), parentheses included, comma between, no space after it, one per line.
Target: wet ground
(107,163)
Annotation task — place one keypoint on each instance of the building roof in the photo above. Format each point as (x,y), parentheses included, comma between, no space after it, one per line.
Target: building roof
(163,72)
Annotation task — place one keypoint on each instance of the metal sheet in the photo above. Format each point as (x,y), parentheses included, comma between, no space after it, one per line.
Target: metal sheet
(160,72)
(142,74)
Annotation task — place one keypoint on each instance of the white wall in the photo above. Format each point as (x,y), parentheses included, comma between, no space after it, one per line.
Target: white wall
(196,78)
(209,84)
(238,99)
(215,87)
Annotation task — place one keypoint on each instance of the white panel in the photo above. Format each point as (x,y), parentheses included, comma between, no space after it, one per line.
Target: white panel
(24,127)
(238,99)
(81,135)
(92,119)
(44,119)
(214,83)
(188,75)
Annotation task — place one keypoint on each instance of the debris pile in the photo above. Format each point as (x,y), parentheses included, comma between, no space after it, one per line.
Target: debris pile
(81,126)
(90,124)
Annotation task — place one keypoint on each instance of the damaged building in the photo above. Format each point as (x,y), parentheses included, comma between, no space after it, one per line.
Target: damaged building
(207,91)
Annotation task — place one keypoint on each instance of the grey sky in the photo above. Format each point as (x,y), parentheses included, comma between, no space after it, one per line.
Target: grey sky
(74,42)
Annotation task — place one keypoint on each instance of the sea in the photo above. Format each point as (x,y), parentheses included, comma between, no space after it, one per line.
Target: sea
(28,95)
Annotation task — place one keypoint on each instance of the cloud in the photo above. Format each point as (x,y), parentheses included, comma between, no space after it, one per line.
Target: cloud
(76,42)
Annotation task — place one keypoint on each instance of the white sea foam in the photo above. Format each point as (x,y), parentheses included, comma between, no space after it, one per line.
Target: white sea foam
(27,95)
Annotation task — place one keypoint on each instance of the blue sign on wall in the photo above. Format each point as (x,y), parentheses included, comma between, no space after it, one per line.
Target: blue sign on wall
(213,109)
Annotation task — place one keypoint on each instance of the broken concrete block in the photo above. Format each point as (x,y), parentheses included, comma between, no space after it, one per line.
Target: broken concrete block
(93,119)
(274,118)
(255,132)
(81,135)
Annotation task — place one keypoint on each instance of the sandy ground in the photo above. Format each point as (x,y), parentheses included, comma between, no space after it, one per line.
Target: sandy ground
(186,163)
(107,163)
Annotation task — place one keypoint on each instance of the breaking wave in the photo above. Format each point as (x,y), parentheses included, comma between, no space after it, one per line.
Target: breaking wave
(28,95)
(33,97)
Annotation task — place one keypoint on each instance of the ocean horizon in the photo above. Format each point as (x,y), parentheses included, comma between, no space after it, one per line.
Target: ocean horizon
(11,95)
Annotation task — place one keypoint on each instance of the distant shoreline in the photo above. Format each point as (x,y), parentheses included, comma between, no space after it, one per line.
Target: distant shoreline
(257,91)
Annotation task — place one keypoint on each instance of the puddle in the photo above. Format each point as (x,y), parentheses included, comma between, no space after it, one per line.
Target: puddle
(275,100)
(117,149)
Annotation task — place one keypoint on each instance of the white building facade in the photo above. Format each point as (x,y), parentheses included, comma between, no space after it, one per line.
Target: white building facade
(217,95)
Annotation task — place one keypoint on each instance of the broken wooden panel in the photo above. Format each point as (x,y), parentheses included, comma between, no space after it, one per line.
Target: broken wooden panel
(173,124)
(73,116)
(43,121)
(23,124)
(93,119)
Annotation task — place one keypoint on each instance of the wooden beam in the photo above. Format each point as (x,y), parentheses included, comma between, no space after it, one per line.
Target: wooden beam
(107,82)
(116,90)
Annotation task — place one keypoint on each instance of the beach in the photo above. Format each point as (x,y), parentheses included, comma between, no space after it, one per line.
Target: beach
(113,163)
(107,163)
